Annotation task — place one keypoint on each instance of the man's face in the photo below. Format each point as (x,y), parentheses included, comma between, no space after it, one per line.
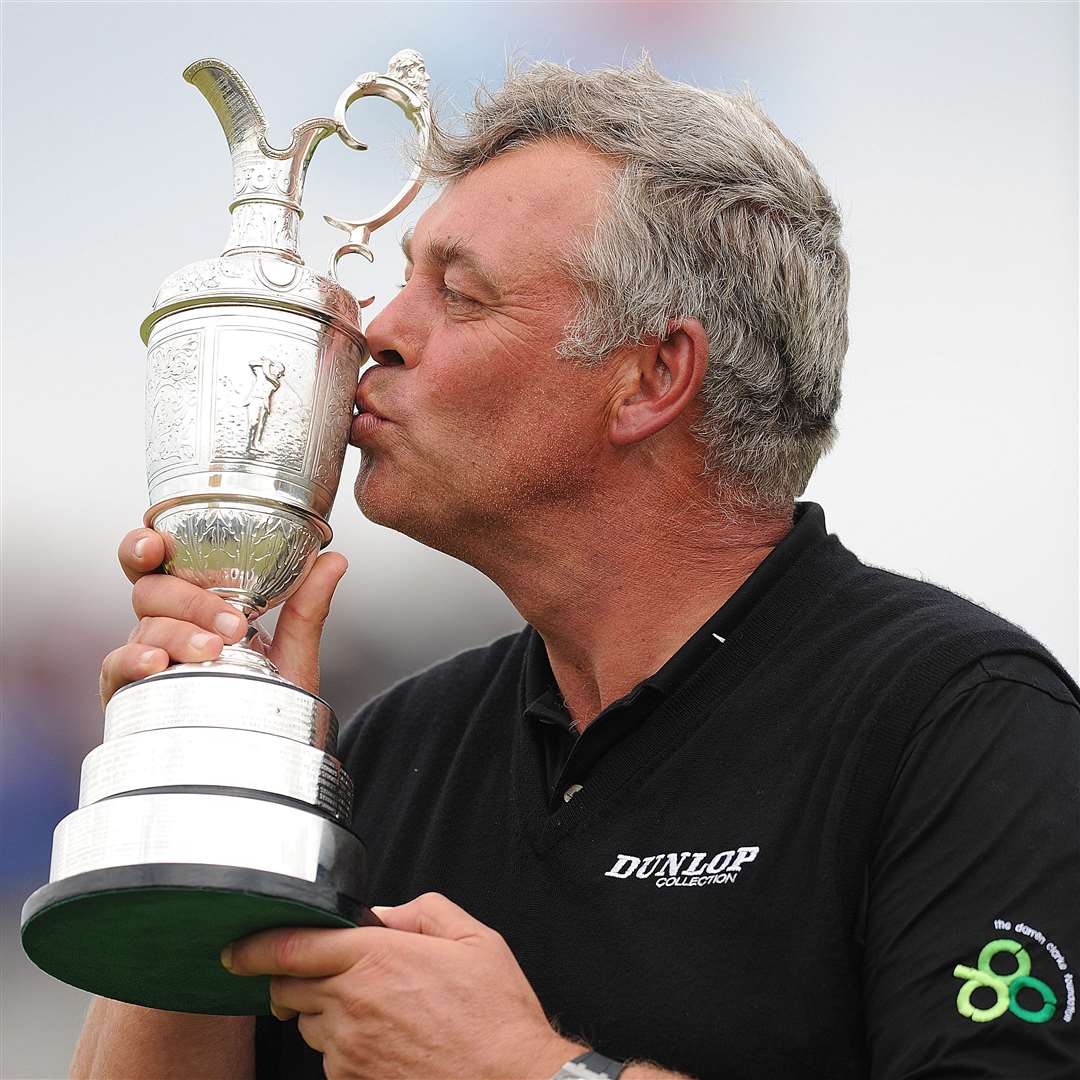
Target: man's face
(482,425)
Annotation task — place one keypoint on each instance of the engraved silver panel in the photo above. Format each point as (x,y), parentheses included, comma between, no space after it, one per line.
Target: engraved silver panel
(200,700)
(253,554)
(262,409)
(247,391)
(219,830)
(172,399)
(217,757)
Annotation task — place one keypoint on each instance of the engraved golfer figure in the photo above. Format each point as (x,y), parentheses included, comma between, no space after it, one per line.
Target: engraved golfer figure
(268,377)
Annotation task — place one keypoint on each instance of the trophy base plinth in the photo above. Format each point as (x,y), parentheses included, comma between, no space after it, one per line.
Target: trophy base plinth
(152,934)
(147,888)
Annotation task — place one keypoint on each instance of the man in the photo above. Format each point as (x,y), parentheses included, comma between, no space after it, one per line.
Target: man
(732,802)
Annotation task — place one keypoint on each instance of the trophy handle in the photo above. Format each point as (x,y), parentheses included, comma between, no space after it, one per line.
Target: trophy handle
(405,84)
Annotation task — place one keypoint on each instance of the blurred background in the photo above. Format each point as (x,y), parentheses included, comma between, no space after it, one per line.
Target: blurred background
(947,133)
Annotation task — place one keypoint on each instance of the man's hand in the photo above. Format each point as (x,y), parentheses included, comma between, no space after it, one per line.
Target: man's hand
(179,622)
(446,998)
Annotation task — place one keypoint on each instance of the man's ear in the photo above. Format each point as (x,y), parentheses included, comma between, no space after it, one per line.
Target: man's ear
(661,380)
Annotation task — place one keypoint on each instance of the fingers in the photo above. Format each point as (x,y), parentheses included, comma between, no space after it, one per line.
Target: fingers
(300,952)
(313,1031)
(126,664)
(290,996)
(142,551)
(184,642)
(299,628)
(434,915)
(161,596)
(177,622)
(152,645)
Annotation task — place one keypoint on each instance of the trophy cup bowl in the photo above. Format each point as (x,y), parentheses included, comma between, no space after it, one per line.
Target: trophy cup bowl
(215,806)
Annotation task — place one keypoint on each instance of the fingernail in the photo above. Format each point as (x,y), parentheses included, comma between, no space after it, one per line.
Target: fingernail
(148,658)
(282,1014)
(140,547)
(226,958)
(201,641)
(229,624)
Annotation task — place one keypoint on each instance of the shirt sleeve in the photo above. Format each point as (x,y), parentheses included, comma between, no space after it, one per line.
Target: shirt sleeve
(972,916)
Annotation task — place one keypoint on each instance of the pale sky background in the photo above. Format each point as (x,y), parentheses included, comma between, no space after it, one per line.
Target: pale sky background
(946,132)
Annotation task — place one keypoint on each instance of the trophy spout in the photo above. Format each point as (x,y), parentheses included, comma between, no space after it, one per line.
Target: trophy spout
(231,98)
(268,183)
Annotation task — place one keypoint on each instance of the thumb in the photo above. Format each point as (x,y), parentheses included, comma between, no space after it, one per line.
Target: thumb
(295,650)
(431,914)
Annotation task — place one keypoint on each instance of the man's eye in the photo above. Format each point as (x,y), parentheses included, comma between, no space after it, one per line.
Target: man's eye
(452,297)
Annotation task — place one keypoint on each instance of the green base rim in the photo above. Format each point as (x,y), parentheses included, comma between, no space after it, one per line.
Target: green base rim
(152,935)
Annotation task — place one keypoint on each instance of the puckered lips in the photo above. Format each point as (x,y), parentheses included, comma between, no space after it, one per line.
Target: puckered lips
(369,420)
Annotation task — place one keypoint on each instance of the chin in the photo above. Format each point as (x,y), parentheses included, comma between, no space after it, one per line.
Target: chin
(387,499)
(371,500)
(417,510)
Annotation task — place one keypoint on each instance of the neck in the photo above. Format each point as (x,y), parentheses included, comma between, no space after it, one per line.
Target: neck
(614,595)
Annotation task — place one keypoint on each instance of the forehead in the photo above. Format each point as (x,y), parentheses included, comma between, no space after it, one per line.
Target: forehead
(524,208)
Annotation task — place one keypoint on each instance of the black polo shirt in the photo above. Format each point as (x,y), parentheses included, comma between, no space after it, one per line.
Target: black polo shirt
(840,844)
(570,755)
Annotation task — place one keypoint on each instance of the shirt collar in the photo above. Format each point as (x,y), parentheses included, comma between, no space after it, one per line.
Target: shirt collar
(542,700)
(807,530)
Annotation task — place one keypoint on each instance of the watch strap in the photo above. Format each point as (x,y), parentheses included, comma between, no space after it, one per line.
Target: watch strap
(590,1066)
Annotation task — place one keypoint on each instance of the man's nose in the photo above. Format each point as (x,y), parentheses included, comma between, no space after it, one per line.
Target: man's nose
(385,341)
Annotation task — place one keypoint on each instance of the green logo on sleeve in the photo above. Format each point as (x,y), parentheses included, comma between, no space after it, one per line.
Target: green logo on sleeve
(1004,987)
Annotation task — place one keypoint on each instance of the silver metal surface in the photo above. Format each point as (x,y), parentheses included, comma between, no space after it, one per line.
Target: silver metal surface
(405,84)
(217,757)
(258,279)
(253,358)
(252,369)
(251,554)
(219,830)
(249,402)
(186,696)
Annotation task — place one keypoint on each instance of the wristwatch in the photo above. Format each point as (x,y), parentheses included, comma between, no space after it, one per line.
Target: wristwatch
(590,1066)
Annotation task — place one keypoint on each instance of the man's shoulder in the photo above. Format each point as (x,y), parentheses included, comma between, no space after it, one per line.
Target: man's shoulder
(866,582)
(891,606)
(888,638)
(449,691)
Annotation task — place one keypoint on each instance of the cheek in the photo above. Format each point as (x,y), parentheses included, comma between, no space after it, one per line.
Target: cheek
(542,435)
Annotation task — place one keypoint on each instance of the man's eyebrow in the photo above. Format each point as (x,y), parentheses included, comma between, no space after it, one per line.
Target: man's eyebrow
(445,253)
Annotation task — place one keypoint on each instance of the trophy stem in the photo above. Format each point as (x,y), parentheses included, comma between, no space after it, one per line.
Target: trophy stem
(245,654)
(250,605)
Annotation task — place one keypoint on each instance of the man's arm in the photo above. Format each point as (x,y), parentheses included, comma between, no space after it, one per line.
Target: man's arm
(432,992)
(126,1042)
(973,929)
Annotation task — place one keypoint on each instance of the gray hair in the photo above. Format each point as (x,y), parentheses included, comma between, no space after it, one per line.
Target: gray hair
(713,215)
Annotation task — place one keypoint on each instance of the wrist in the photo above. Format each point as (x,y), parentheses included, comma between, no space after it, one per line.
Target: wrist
(555,1052)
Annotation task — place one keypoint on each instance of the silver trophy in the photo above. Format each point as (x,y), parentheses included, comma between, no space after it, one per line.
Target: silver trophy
(215,805)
